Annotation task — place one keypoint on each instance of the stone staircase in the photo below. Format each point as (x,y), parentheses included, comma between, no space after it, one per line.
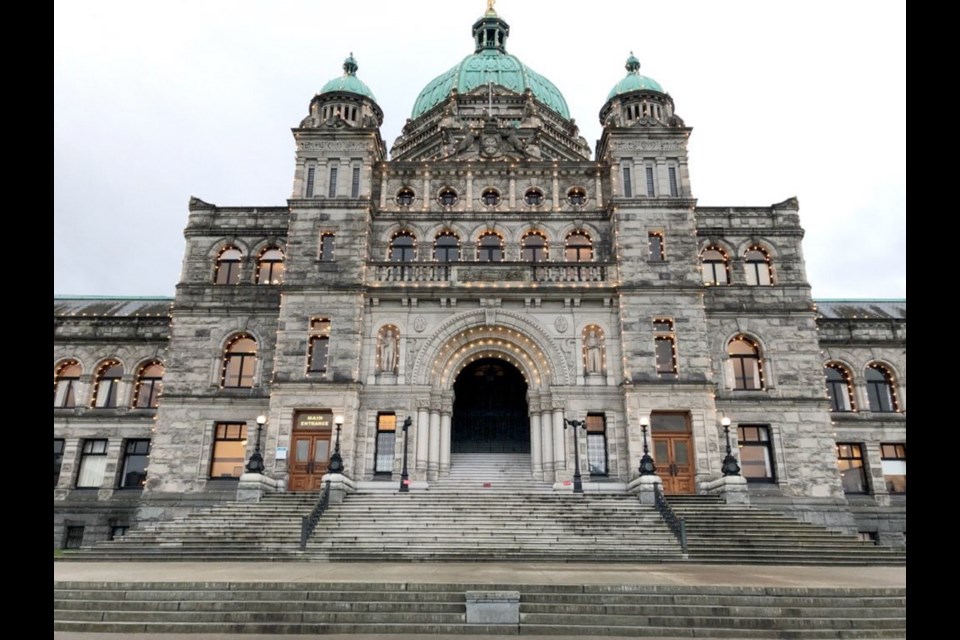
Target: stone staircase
(420,609)
(718,533)
(490,473)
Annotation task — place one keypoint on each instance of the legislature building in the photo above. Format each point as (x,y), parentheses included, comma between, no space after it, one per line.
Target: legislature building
(498,287)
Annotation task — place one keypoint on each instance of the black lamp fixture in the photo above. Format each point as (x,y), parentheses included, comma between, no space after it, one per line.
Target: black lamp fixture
(255,464)
(577,481)
(730,466)
(404,477)
(336,462)
(647,468)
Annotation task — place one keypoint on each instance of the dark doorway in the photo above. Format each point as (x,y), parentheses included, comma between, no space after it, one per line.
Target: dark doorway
(490,410)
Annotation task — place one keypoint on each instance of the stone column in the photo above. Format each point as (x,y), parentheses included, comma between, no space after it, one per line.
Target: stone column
(423,438)
(469,206)
(433,461)
(535,453)
(444,443)
(559,446)
(546,443)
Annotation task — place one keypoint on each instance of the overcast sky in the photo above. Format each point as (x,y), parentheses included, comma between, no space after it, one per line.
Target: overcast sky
(155,102)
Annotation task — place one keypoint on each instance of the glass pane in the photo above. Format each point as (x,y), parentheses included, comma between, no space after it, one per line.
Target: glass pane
(660,451)
(92,470)
(301,450)
(597,453)
(228,459)
(385,449)
(321,450)
(681,453)
(668,422)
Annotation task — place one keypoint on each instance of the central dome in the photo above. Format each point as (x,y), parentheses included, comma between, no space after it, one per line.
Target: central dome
(490,63)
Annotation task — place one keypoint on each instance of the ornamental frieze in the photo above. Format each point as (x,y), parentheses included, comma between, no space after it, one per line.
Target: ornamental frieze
(331,145)
(650,145)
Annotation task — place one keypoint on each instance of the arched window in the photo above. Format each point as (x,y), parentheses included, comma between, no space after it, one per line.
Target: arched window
(490,197)
(533,197)
(65,380)
(714,267)
(402,247)
(448,197)
(106,387)
(757,265)
(745,357)
(228,266)
(838,388)
(405,197)
(239,363)
(880,389)
(490,248)
(446,248)
(533,247)
(149,384)
(270,267)
(579,248)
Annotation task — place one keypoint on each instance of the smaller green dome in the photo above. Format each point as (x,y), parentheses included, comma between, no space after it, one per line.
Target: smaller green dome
(634,81)
(349,82)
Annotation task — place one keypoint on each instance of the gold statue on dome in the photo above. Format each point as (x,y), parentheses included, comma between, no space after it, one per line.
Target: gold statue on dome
(490,4)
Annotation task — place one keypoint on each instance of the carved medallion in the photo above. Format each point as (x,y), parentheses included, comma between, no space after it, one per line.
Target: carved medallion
(490,145)
(419,324)
(561,324)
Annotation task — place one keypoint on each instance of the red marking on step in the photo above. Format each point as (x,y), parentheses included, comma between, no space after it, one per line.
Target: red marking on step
(487,485)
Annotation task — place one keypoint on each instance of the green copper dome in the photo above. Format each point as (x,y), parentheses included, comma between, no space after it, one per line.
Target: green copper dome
(490,63)
(634,81)
(349,82)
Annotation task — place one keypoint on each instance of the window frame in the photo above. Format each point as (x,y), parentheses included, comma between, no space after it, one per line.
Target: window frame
(855,455)
(485,253)
(131,453)
(222,433)
(405,197)
(232,274)
(327,246)
(59,446)
(534,197)
(597,432)
(153,385)
(894,452)
(319,333)
(447,248)
(887,402)
(664,332)
(739,361)
(380,455)
(656,245)
(448,197)
(714,280)
(241,357)
(578,249)
(275,267)
(754,275)
(490,197)
(90,451)
(109,397)
(543,248)
(402,253)
(65,397)
(744,441)
(844,385)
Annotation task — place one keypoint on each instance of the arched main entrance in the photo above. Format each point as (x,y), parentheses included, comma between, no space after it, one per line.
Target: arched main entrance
(490,409)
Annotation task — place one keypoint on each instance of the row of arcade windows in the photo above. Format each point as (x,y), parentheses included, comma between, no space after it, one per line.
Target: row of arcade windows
(270,266)
(578,247)
(881,389)
(650,188)
(853,471)
(715,267)
(106,385)
(92,469)
(490,197)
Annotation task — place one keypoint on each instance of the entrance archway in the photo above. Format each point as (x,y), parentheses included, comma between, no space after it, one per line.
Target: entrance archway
(490,409)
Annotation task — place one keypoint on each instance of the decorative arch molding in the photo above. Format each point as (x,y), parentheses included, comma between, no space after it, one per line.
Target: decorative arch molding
(226,242)
(517,333)
(272,242)
(763,244)
(722,245)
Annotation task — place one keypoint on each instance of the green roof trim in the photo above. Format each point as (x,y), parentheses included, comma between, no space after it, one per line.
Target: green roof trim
(634,81)
(349,82)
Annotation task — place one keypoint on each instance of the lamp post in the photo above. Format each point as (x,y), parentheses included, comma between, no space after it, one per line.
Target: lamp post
(575,424)
(647,468)
(404,478)
(255,465)
(730,466)
(336,462)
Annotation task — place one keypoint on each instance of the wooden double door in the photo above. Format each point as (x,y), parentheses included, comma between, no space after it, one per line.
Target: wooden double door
(309,459)
(673,455)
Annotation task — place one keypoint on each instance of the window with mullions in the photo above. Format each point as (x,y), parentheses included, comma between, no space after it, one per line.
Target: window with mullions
(745,358)
(578,248)
(65,381)
(446,248)
(229,450)
(665,348)
(651,191)
(239,363)
(319,345)
(355,183)
(597,444)
(756,453)
(448,197)
(672,174)
(627,183)
(893,460)
(386,442)
(490,248)
(136,453)
(311,177)
(106,388)
(577,196)
(149,384)
(853,475)
(405,197)
(93,464)
(533,248)
(270,267)
(326,247)
(714,267)
(655,244)
(332,185)
(880,391)
(533,197)
(58,445)
(757,267)
(402,247)
(839,389)
(228,266)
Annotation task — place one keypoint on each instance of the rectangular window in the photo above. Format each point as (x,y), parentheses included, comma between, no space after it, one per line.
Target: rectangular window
(57,460)
(893,459)
(597,444)
(118,531)
(229,450)
(672,172)
(355,183)
(74,538)
(650,190)
(655,242)
(319,345)
(665,346)
(386,442)
(135,456)
(93,464)
(627,184)
(756,453)
(853,475)
(326,247)
(311,174)
(332,188)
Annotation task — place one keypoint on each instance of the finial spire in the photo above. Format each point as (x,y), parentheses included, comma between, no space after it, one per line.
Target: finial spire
(490,4)
(633,65)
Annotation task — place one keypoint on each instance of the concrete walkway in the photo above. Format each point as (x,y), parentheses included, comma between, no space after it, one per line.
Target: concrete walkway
(677,574)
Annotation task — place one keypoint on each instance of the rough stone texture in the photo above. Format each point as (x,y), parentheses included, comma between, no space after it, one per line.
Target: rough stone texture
(493,607)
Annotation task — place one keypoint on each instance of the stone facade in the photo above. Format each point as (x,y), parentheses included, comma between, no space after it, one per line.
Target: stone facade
(488,235)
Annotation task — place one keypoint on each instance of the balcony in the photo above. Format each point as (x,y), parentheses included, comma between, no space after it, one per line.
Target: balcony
(503,274)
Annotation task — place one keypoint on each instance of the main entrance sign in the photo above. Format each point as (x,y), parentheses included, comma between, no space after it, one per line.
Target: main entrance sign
(490,412)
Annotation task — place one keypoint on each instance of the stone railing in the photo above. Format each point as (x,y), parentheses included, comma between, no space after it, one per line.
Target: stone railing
(482,273)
